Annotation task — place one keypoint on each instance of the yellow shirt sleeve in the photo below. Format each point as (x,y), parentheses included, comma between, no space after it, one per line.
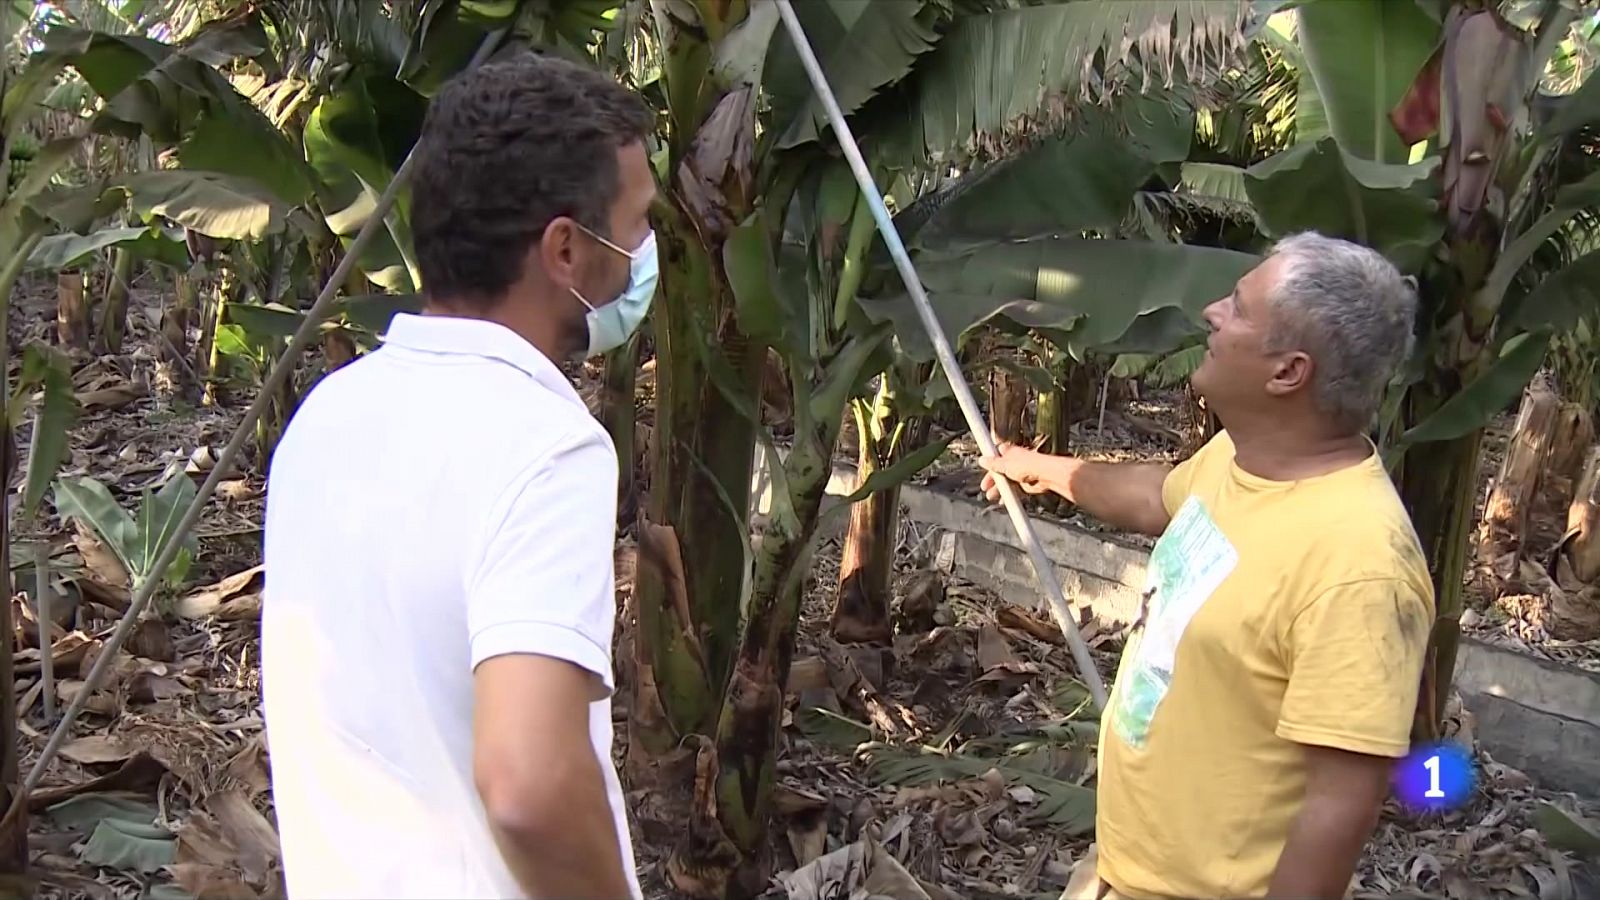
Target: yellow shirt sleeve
(1355,657)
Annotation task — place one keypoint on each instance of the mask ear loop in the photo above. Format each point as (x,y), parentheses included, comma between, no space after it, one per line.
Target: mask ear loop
(606,241)
(586,230)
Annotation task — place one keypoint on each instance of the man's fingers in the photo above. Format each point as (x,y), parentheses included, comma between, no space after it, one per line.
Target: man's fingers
(1000,465)
(991,486)
(1011,465)
(1001,449)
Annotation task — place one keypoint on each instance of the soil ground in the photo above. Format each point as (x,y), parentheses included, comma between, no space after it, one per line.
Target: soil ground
(962,750)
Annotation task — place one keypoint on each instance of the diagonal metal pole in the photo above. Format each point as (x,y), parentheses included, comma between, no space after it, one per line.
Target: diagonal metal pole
(1042,567)
(169,549)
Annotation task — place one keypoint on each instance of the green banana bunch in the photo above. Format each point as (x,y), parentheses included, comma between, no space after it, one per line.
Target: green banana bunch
(23,149)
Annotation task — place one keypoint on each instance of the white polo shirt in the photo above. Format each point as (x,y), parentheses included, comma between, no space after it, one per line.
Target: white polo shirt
(445,499)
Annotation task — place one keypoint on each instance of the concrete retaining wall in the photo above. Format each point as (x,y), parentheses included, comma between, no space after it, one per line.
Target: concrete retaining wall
(1541,717)
(1538,716)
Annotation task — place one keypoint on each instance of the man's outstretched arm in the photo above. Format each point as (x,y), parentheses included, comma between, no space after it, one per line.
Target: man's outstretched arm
(1122,495)
(541,784)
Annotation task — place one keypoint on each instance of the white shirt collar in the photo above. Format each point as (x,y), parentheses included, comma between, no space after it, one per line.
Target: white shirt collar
(482,338)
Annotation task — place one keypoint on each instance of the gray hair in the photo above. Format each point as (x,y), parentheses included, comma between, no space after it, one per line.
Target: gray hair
(1353,311)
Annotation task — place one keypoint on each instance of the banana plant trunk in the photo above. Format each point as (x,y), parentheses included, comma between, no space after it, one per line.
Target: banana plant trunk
(72,310)
(1574,435)
(866,568)
(691,687)
(1580,548)
(752,710)
(1073,398)
(1055,421)
(692,570)
(114,312)
(617,414)
(1008,405)
(13,844)
(176,317)
(208,358)
(861,610)
(688,608)
(1438,484)
(1503,533)
(275,419)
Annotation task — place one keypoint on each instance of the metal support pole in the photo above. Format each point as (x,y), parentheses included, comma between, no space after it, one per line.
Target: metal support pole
(169,549)
(1042,567)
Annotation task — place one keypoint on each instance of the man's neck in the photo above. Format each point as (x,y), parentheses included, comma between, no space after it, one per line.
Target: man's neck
(1286,451)
(536,331)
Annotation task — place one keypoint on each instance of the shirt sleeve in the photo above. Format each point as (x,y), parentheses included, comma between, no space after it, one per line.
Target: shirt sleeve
(1355,658)
(545,582)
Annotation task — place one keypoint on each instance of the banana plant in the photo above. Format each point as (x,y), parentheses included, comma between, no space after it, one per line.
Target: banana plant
(1463,205)
(892,421)
(175,97)
(237,177)
(1015,247)
(251,336)
(1502,199)
(719,635)
(1575,363)
(48,372)
(244,181)
(134,538)
(1037,240)
(1087,180)
(18,236)
(766,245)
(1424,130)
(22,226)
(1160,369)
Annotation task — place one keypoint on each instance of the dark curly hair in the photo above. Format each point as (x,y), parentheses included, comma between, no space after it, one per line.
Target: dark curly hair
(504,149)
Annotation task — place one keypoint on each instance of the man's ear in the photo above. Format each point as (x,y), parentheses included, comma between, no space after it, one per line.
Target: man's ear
(557,254)
(1292,373)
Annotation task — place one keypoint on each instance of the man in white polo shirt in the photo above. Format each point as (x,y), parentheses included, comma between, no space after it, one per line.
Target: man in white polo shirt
(436,640)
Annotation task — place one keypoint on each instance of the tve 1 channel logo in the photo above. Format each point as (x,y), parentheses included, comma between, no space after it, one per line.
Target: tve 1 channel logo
(1435,777)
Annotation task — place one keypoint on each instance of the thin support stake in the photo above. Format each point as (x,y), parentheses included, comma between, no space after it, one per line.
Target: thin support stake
(47,646)
(1043,570)
(269,388)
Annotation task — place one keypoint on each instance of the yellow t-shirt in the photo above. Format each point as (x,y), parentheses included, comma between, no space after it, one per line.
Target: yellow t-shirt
(1276,614)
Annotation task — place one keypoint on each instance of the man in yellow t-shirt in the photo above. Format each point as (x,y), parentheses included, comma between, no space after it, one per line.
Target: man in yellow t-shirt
(1269,684)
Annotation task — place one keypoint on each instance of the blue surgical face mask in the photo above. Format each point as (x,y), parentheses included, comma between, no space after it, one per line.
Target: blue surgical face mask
(612,324)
